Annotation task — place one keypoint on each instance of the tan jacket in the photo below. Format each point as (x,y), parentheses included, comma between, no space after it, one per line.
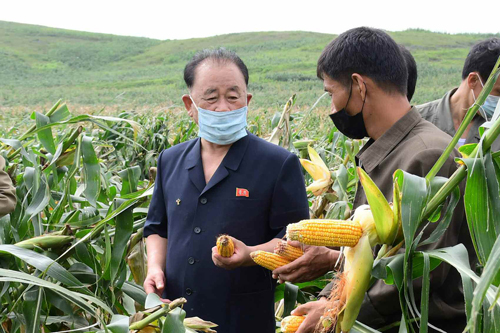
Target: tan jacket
(7,191)
(414,145)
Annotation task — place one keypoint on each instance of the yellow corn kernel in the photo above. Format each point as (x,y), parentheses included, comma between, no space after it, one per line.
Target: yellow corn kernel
(325,232)
(291,324)
(269,260)
(287,251)
(225,246)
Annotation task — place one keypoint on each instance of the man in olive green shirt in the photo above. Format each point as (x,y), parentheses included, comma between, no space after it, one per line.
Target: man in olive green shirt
(364,72)
(7,191)
(448,112)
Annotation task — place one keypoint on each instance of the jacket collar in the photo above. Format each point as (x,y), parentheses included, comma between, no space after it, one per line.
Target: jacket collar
(231,161)
(375,151)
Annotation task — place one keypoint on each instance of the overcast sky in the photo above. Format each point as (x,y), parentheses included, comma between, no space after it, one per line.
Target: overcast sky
(181,19)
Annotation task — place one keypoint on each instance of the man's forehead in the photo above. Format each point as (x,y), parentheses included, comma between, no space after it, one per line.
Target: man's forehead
(213,67)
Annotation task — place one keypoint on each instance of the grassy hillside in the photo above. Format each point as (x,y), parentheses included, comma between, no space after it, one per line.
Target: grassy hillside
(39,65)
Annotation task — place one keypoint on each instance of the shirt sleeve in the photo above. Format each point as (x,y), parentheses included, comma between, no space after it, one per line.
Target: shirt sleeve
(7,191)
(156,221)
(289,201)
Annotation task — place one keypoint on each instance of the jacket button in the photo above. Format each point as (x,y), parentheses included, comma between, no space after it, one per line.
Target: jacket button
(203,200)
(189,291)
(191,260)
(197,230)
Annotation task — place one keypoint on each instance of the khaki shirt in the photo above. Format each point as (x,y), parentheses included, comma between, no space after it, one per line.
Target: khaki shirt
(7,191)
(438,112)
(414,145)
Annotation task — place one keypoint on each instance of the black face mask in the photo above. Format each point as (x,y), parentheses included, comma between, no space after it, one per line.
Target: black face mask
(351,126)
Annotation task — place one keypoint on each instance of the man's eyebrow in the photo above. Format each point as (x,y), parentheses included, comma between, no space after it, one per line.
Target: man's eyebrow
(210,91)
(235,89)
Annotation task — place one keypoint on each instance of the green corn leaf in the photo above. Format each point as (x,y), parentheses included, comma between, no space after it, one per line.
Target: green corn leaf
(478,199)
(60,114)
(82,300)
(118,324)
(70,321)
(136,292)
(424,301)
(445,222)
(32,305)
(359,327)
(383,215)
(130,179)
(42,263)
(493,178)
(174,322)
(124,229)
(107,254)
(391,269)
(414,196)
(467,149)
(290,298)
(153,300)
(45,136)
(490,273)
(59,302)
(95,120)
(92,171)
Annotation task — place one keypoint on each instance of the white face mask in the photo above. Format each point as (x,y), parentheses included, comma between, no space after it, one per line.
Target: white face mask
(222,128)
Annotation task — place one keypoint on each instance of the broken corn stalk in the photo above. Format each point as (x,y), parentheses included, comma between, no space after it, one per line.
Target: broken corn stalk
(225,246)
(269,260)
(291,324)
(287,251)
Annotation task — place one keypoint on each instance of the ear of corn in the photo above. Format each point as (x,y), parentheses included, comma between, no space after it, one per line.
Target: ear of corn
(358,267)
(325,232)
(287,251)
(318,171)
(291,324)
(363,215)
(269,260)
(45,242)
(225,246)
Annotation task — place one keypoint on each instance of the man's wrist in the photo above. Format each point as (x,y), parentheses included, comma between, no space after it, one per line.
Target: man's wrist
(332,259)
(248,259)
(155,267)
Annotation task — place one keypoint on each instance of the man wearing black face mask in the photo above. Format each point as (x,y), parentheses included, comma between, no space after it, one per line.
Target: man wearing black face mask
(365,74)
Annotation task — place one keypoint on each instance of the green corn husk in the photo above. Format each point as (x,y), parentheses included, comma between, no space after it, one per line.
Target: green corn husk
(45,242)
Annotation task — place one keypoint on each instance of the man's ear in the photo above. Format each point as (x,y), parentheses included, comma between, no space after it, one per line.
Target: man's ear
(188,103)
(249,97)
(359,84)
(473,80)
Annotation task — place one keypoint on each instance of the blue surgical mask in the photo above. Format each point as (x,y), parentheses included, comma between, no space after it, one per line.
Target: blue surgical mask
(222,128)
(490,105)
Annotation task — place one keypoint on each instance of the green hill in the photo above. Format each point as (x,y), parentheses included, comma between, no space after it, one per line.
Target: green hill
(39,65)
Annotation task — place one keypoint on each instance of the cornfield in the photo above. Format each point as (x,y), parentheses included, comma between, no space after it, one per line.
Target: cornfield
(72,255)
